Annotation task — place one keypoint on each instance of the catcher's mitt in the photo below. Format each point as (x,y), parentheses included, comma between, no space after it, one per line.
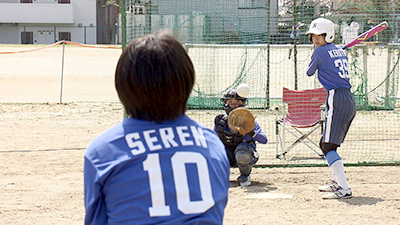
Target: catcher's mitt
(241,120)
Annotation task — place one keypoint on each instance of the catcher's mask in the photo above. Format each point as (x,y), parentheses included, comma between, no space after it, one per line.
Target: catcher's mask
(232,94)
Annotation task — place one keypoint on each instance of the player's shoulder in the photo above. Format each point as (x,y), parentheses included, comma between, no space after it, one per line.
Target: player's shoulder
(219,117)
(321,49)
(325,49)
(336,48)
(98,149)
(328,46)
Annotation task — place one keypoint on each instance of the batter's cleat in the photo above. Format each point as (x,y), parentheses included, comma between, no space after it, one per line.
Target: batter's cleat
(330,186)
(244,180)
(340,193)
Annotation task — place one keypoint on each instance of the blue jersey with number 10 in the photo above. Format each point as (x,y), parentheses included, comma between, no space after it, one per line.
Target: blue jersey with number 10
(141,172)
(332,65)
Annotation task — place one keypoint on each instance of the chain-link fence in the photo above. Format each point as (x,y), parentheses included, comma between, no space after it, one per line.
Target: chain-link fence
(264,44)
(233,42)
(254,41)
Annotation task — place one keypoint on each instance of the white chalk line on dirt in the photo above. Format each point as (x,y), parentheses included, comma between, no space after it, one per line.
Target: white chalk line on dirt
(42,150)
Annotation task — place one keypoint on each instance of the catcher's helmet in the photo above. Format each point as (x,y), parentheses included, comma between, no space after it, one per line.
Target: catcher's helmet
(323,26)
(231,94)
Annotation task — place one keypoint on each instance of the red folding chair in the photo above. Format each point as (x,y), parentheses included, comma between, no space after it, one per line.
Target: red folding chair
(301,115)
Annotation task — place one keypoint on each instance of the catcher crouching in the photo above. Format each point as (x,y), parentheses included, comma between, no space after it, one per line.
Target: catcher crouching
(239,131)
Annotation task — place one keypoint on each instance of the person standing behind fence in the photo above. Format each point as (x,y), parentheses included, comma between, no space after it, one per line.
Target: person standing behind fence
(295,30)
(333,73)
(350,32)
(370,42)
(158,166)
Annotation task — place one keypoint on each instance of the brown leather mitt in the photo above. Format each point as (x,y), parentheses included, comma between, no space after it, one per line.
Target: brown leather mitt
(241,120)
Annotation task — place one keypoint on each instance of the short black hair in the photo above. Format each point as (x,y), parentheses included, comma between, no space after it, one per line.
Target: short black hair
(154,78)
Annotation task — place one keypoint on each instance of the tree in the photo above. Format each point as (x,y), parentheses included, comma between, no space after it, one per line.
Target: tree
(102,5)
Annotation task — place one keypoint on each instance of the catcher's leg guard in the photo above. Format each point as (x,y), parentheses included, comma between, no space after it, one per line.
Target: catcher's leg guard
(244,155)
(243,160)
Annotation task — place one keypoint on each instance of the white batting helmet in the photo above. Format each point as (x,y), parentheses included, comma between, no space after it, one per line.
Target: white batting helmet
(323,26)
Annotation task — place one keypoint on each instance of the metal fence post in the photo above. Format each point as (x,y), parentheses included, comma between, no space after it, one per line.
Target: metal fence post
(62,71)
(123,35)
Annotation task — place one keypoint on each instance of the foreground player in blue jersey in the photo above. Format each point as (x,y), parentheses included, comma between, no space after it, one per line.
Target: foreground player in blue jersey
(241,150)
(158,166)
(333,73)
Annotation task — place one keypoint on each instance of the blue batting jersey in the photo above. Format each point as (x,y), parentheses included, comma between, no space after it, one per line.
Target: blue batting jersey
(332,65)
(142,172)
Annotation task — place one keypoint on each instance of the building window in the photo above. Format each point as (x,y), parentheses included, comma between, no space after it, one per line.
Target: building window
(64,1)
(26,1)
(64,36)
(26,37)
(245,3)
(137,9)
(251,4)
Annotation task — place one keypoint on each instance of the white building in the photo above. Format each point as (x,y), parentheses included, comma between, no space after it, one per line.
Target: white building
(47,21)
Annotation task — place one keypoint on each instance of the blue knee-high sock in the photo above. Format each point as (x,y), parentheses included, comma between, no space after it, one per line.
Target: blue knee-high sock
(337,167)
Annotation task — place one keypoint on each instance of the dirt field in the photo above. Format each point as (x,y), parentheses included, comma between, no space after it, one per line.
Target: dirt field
(41,170)
(42,147)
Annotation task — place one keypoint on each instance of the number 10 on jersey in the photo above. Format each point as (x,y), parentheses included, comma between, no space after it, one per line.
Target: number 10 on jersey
(184,204)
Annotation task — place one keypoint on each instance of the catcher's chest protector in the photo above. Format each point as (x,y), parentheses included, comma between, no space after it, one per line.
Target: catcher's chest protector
(227,137)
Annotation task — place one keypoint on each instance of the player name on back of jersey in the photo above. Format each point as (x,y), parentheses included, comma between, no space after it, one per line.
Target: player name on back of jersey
(164,138)
(334,53)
